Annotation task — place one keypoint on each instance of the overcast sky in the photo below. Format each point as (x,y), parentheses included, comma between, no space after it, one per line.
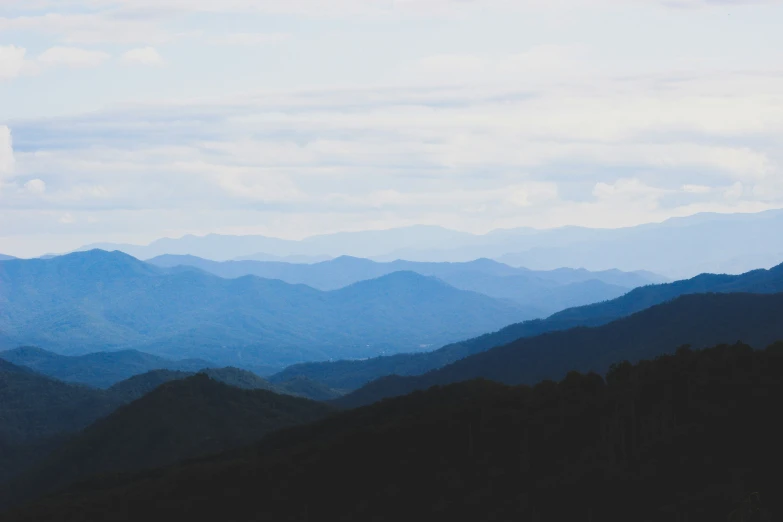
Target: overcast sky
(129,120)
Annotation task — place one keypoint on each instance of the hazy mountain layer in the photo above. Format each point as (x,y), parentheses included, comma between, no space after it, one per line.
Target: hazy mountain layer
(99,370)
(352,374)
(676,248)
(697,320)
(685,437)
(546,291)
(99,301)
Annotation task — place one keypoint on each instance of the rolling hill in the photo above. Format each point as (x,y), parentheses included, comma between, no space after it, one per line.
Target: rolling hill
(697,320)
(179,420)
(99,370)
(101,301)
(353,374)
(685,437)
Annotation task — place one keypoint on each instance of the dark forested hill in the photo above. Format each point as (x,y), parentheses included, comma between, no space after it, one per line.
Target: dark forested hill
(94,301)
(685,437)
(544,291)
(178,420)
(99,370)
(33,406)
(699,320)
(352,374)
(139,385)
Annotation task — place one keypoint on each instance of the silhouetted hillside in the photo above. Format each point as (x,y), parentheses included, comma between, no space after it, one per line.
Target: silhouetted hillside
(33,406)
(8,367)
(101,369)
(178,420)
(698,320)
(140,385)
(352,374)
(97,300)
(684,437)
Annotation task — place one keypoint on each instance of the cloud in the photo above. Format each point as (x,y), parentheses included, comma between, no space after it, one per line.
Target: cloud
(143,56)
(91,27)
(12,61)
(72,57)
(6,152)
(35,186)
(250,38)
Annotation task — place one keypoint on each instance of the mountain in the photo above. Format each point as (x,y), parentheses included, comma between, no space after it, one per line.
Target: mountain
(6,258)
(34,407)
(677,248)
(179,420)
(360,244)
(685,437)
(8,367)
(99,370)
(260,256)
(353,374)
(697,320)
(100,301)
(546,291)
(139,385)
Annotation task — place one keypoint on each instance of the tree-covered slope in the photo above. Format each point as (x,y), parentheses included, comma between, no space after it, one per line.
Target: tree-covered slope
(685,437)
(100,369)
(353,374)
(33,406)
(180,419)
(699,320)
(94,301)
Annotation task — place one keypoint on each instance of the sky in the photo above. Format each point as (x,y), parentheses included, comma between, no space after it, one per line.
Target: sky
(130,120)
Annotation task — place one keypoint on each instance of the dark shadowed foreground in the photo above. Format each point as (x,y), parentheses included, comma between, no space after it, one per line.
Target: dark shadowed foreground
(685,437)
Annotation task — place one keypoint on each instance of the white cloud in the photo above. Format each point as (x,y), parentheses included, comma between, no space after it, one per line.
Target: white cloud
(91,27)
(143,56)
(72,57)
(35,186)
(6,152)
(250,38)
(12,61)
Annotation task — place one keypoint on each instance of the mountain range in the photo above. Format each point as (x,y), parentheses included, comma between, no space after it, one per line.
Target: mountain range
(690,436)
(352,374)
(676,248)
(697,320)
(101,301)
(180,419)
(543,291)
(39,413)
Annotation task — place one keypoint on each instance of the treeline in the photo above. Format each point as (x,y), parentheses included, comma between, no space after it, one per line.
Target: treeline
(686,437)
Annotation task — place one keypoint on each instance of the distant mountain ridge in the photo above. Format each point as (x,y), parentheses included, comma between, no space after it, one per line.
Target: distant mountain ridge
(697,320)
(546,291)
(676,248)
(101,301)
(352,374)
